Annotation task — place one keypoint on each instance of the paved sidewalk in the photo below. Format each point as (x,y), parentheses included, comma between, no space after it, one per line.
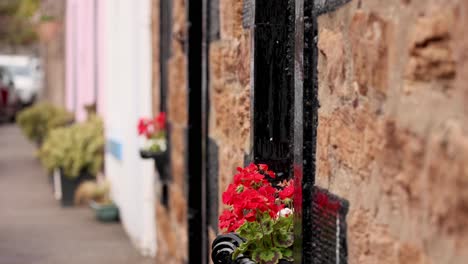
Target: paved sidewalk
(34,229)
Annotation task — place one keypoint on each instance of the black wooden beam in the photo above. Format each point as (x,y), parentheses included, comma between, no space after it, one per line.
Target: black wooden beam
(273,85)
(306,126)
(196,184)
(165,41)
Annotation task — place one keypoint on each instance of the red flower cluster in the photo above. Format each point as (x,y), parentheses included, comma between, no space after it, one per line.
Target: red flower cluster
(149,127)
(251,195)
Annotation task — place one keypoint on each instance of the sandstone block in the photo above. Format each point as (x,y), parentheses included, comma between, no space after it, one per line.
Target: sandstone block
(370,36)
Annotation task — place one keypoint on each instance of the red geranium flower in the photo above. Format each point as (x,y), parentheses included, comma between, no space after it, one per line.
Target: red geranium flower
(229,221)
(250,196)
(287,192)
(142,126)
(160,121)
(150,127)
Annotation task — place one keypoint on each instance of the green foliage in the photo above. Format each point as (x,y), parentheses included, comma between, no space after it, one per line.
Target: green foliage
(157,143)
(27,8)
(36,121)
(268,240)
(46,18)
(75,149)
(20,33)
(17,27)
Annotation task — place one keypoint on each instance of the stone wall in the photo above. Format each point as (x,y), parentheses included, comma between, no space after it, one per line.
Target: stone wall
(171,222)
(229,124)
(392,135)
(393,126)
(230,92)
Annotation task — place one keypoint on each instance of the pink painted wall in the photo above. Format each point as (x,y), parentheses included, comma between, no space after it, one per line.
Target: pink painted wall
(85,33)
(102,59)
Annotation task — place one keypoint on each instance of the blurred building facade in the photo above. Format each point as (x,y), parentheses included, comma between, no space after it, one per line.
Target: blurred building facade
(108,66)
(52,51)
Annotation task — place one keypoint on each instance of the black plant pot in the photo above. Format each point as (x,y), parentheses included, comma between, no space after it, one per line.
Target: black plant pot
(160,158)
(223,247)
(147,154)
(69,186)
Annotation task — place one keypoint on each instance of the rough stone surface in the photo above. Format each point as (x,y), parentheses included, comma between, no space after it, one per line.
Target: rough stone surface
(369,39)
(431,55)
(172,221)
(230,92)
(392,135)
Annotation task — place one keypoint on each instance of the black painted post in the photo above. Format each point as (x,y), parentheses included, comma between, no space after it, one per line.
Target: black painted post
(273,83)
(165,37)
(309,244)
(165,40)
(298,139)
(305,125)
(210,149)
(196,227)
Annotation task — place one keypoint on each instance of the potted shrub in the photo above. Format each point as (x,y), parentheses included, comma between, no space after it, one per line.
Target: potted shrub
(257,221)
(77,151)
(153,132)
(38,120)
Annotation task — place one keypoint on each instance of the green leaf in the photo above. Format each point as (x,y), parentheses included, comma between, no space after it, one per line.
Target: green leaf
(270,256)
(283,240)
(250,231)
(287,254)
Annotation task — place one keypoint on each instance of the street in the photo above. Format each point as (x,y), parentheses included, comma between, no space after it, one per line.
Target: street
(35,229)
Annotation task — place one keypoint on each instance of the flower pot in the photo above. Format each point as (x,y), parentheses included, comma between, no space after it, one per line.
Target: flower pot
(69,186)
(105,212)
(147,154)
(48,30)
(161,160)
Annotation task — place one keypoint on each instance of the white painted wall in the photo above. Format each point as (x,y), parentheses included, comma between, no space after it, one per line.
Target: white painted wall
(128,97)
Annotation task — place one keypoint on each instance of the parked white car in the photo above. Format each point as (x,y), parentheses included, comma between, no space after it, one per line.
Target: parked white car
(27,76)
